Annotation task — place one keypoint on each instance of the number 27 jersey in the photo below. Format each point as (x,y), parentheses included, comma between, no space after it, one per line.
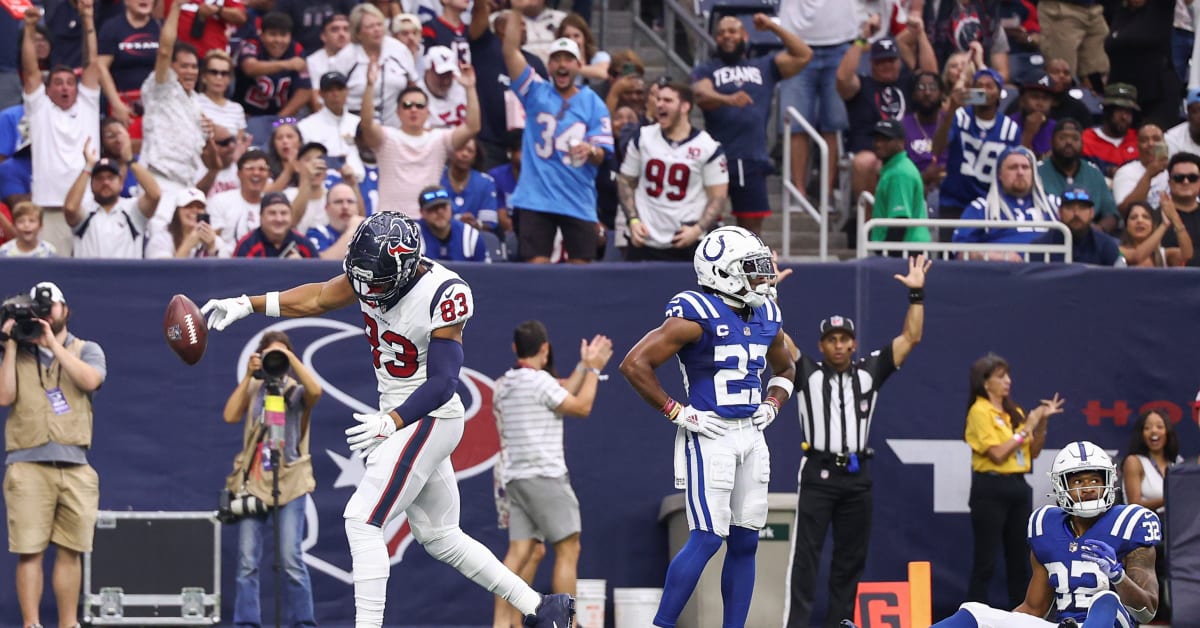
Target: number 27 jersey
(399,337)
(722,371)
(1075,581)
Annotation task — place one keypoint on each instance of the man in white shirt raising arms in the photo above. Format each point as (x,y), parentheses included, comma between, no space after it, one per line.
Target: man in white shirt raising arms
(106,225)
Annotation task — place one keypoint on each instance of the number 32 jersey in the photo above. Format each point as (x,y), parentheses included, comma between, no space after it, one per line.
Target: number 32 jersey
(672,177)
(1076,581)
(400,336)
(722,371)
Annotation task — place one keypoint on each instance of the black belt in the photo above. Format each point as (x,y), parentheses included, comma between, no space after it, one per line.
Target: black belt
(57,464)
(841,459)
(997,474)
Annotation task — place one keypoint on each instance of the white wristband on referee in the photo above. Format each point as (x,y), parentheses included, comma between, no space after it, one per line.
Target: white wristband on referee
(781,382)
(272,307)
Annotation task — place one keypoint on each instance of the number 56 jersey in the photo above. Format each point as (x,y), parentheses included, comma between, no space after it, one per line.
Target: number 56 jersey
(1076,581)
(399,337)
(722,371)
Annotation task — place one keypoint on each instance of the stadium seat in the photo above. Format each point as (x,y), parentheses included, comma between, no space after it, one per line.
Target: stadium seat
(510,247)
(495,247)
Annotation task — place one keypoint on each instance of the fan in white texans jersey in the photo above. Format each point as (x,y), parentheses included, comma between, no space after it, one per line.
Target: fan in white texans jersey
(415,311)
(1093,561)
(673,182)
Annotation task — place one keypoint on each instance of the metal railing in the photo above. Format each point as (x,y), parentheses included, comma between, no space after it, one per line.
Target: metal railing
(673,12)
(952,250)
(793,198)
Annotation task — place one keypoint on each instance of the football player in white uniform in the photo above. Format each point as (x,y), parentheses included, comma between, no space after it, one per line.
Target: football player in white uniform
(673,182)
(414,312)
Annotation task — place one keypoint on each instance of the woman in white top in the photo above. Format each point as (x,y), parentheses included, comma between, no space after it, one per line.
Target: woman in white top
(576,29)
(1141,243)
(186,236)
(1153,448)
(215,74)
(396,68)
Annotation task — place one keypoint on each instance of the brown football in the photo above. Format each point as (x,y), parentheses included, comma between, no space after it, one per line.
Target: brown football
(184,327)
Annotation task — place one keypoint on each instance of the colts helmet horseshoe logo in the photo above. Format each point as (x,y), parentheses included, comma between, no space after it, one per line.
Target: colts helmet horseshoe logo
(712,257)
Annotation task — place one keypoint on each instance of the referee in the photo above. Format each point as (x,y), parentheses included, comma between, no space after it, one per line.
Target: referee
(837,401)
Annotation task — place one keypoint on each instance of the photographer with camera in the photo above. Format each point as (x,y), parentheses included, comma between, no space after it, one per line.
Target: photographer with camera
(52,494)
(275,397)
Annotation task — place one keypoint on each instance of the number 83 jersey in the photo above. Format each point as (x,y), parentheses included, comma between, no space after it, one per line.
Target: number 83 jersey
(399,337)
(1075,581)
(722,371)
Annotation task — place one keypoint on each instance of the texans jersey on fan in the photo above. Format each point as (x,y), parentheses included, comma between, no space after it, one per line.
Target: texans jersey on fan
(266,95)
(722,371)
(1076,581)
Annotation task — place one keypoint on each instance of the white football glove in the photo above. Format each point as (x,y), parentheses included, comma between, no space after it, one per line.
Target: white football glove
(223,312)
(702,423)
(371,431)
(763,416)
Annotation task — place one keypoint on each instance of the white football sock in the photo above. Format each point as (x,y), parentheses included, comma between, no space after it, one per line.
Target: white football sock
(476,562)
(369,557)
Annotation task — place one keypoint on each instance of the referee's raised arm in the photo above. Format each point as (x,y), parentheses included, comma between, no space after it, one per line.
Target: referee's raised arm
(914,320)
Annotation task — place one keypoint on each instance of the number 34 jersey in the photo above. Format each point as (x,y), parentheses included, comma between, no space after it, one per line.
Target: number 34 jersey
(399,337)
(1076,581)
(671,179)
(722,371)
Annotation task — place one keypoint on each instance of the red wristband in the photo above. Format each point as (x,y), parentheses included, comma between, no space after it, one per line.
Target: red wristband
(774,402)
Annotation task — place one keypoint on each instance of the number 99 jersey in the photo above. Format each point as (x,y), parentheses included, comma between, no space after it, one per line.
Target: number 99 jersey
(722,371)
(1075,581)
(399,337)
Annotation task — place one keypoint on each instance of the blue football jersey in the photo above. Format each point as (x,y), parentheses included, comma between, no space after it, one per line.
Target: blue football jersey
(722,371)
(1076,581)
(972,154)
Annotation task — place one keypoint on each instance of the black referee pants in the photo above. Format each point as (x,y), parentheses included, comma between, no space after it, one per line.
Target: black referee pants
(1000,510)
(829,494)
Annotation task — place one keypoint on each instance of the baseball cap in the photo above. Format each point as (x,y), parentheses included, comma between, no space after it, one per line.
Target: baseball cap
(992,74)
(836,323)
(884,49)
(107,165)
(56,294)
(889,128)
(433,196)
(190,195)
(1193,96)
(1038,82)
(1121,95)
(562,44)
(1078,195)
(274,198)
(441,60)
(313,146)
(333,80)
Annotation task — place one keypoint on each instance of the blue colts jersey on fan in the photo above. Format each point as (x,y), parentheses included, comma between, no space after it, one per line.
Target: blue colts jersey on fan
(722,371)
(1076,581)
(972,154)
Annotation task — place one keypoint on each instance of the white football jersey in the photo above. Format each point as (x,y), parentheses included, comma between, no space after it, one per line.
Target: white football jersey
(399,337)
(671,179)
(448,112)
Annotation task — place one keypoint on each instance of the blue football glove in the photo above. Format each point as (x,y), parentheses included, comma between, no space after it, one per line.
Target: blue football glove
(1105,556)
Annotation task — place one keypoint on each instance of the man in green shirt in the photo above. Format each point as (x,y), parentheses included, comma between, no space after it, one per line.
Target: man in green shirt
(901,192)
(1064,169)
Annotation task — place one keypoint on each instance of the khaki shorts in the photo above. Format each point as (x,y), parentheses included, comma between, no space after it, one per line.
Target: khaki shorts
(48,504)
(1076,34)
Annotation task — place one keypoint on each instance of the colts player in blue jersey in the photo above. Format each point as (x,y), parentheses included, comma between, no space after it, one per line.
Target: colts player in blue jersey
(1094,561)
(724,335)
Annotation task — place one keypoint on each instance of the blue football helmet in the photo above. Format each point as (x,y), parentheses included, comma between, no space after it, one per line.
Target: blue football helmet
(383,258)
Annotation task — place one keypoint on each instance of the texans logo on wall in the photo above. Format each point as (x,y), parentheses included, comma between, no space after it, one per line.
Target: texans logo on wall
(476,453)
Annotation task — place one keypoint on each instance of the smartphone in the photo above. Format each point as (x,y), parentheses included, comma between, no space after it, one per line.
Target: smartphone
(1159,150)
(975,96)
(203,217)
(334,163)
(628,69)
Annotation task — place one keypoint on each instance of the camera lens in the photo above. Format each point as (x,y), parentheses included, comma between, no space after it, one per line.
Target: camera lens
(275,363)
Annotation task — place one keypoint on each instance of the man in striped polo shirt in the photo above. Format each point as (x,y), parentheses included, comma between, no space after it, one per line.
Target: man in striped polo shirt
(530,402)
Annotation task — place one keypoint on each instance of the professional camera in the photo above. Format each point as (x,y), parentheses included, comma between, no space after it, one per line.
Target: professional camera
(233,507)
(275,365)
(25,310)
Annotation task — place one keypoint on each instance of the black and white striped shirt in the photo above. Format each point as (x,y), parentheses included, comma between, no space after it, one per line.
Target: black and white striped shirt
(836,408)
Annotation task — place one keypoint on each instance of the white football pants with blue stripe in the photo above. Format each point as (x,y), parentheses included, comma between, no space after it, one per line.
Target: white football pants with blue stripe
(727,479)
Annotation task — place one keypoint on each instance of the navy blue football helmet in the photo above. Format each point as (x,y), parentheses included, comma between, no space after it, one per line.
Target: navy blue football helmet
(383,258)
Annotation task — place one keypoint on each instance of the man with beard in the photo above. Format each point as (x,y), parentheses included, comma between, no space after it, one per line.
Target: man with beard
(920,125)
(1144,179)
(108,225)
(447,99)
(1185,136)
(900,193)
(735,94)
(1033,114)
(672,183)
(1089,245)
(1114,143)
(51,492)
(1064,169)
(1062,83)
(1016,196)
(568,133)
(880,95)
(1184,183)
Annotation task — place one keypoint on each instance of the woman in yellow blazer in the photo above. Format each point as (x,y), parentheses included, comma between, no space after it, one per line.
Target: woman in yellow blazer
(1004,441)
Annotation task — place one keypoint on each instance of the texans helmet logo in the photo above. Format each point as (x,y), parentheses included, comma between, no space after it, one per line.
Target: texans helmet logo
(399,248)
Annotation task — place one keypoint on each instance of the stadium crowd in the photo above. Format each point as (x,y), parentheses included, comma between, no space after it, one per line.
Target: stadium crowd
(154,129)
